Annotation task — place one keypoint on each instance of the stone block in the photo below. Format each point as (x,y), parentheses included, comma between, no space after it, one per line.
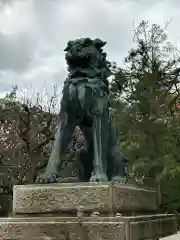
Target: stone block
(152,228)
(105,198)
(60,229)
(131,198)
(90,228)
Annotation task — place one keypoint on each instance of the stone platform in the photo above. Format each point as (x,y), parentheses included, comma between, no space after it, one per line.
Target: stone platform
(85,211)
(87,228)
(103,198)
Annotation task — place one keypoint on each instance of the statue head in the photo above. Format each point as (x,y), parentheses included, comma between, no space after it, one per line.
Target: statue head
(85,54)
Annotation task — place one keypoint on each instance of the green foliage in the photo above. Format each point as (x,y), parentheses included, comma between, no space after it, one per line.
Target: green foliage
(145,94)
(170,191)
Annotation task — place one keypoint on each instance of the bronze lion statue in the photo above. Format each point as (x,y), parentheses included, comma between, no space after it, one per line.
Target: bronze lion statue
(85,103)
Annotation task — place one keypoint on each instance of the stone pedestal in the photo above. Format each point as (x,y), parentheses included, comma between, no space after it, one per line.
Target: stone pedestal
(103,198)
(85,211)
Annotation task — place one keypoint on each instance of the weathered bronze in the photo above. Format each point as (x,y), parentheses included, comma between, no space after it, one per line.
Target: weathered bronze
(85,103)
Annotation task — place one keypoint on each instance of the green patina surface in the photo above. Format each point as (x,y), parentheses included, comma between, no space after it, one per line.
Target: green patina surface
(85,103)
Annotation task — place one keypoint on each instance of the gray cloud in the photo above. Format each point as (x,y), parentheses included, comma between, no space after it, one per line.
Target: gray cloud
(15,51)
(4,86)
(33,33)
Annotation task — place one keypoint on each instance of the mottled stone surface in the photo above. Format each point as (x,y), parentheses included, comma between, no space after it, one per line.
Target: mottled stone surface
(90,197)
(156,228)
(60,197)
(43,229)
(131,198)
(90,228)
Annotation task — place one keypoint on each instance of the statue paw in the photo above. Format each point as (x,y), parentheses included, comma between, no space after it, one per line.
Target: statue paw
(118,179)
(47,178)
(98,178)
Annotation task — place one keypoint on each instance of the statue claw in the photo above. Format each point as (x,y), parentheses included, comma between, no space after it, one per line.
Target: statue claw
(47,178)
(98,178)
(118,179)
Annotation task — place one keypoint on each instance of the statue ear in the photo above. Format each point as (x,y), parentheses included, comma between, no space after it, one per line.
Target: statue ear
(69,45)
(98,43)
(88,41)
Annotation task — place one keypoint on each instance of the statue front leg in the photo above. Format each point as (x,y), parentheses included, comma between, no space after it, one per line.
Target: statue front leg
(62,140)
(100,137)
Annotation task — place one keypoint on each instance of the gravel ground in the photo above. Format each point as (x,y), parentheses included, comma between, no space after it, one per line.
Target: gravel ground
(173,237)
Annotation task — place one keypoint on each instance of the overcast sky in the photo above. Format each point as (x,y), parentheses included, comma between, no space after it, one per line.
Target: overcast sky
(33,33)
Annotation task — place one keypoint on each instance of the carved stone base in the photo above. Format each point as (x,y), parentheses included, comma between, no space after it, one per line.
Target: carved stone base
(91,197)
(88,228)
(85,211)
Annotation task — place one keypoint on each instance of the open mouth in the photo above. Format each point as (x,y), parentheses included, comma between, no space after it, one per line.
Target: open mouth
(79,62)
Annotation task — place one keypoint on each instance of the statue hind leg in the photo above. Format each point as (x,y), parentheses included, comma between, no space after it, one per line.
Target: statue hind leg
(85,155)
(84,164)
(117,169)
(115,160)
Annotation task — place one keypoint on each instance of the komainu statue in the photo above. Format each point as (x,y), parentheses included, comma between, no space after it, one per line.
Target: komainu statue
(85,103)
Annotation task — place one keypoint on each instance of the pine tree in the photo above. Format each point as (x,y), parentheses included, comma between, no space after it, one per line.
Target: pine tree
(149,87)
